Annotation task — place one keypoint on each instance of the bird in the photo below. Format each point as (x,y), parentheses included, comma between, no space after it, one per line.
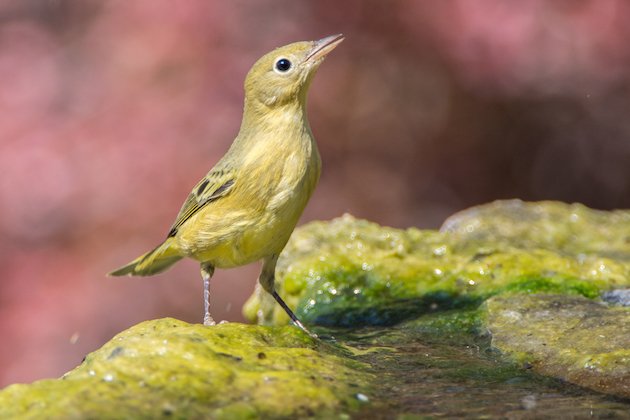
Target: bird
(246,207)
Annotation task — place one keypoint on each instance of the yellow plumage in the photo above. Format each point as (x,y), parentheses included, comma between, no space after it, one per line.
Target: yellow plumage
(246,207)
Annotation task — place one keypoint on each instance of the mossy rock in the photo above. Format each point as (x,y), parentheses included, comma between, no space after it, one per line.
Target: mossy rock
(539,267)
(568,337)
(170,369)
(570,229)
(350,272)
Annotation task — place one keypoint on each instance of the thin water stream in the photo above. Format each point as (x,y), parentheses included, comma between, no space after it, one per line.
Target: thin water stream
(457,376)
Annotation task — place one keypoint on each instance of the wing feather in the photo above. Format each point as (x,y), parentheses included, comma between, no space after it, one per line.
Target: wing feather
(216,184)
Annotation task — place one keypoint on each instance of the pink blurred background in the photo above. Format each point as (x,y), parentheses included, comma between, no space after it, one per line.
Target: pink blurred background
(110,112)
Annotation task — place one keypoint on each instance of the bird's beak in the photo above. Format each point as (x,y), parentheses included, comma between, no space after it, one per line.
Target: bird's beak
(323,47)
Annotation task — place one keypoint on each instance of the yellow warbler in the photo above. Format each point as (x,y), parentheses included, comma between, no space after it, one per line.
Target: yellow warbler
(246,207)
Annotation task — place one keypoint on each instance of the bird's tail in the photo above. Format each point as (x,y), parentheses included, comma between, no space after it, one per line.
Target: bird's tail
(153,262)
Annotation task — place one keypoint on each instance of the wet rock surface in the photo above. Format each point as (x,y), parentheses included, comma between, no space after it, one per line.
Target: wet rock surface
(568,337)
(433,367)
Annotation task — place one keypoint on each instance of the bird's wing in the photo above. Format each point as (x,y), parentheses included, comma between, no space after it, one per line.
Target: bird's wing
(216,184)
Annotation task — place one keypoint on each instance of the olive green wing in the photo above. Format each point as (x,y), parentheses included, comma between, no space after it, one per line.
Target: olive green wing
(216,184)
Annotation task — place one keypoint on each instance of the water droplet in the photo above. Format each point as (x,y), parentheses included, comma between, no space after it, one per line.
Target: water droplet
(362,397)
(441,250)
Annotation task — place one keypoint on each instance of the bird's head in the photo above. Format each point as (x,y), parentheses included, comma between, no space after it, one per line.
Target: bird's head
(283,75)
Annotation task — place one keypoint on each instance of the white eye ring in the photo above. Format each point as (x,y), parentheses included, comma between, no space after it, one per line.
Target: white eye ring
(282,65)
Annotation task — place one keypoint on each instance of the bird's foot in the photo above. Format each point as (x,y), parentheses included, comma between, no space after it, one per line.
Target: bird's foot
(303,328)
(208,321)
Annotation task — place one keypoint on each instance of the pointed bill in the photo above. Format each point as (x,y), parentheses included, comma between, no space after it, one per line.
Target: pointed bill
(324,46)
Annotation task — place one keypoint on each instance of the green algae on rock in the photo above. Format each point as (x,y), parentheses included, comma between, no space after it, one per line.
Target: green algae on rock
(564,228)
(168,368)
(350,272)
(568,337)
(337,272)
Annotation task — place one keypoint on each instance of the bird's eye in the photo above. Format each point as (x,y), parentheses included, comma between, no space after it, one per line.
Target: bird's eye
(283,65)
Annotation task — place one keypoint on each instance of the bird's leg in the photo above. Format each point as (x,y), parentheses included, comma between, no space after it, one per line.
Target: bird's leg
(207,270)
(267,279)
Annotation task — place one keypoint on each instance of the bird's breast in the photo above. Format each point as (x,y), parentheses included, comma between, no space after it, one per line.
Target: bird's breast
(268,198)
(289,182)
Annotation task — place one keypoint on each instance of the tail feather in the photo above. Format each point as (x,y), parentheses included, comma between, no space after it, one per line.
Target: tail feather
(153,262)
